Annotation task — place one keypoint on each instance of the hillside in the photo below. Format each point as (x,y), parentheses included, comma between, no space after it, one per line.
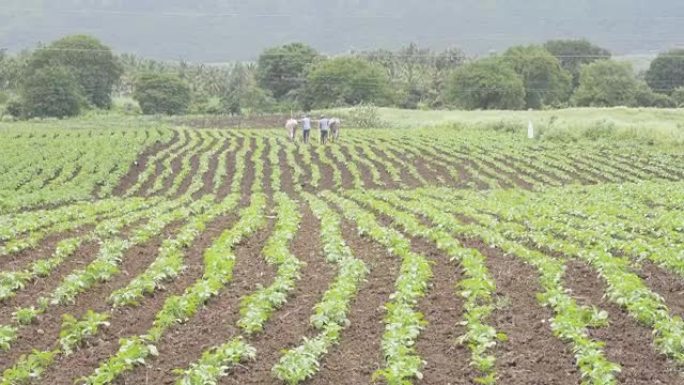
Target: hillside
(212,31)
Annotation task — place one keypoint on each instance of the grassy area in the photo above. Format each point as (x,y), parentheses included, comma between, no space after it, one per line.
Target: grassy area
(647,125)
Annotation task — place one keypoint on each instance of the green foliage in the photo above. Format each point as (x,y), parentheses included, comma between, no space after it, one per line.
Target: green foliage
(162,93)
(417,75)
(678,97)
(486,84)
(345,81)
(606,83)
(50,92)
(645,97)
(75,331)
(93,66)
(28,368)
(282,69)
(546,83)
(666,72)
(573,54)
(244,94)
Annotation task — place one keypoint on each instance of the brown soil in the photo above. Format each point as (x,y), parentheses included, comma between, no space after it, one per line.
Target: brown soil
(532,354)
(194,169)
(134,171)
(384,175)
(407,180)
(228,121)
(248,176)
(224,188)
(44,249)
(363,170)
(208,177)
(27,297)
(347,178)
(627,343)
(130,321)
(287,181)
(326,182)
(268,170)
(447,361)
(290,323)
(177,165)
(213,324)
(359,353)
(159,166)
(666,284)
(45,331)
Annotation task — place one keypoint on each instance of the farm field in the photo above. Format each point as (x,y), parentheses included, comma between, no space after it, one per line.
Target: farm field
(160,255)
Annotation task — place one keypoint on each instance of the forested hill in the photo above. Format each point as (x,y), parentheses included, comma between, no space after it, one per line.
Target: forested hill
(216,30)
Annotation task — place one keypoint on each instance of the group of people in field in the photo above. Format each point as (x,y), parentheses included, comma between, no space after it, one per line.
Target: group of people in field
(328,127)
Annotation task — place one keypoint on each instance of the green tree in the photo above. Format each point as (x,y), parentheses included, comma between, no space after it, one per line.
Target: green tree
(573,54)
(607,83)
(489,84)
(666,72)
(345,81)
(282,69)
(92,63)
(162,93)
(50,92)
(546,83)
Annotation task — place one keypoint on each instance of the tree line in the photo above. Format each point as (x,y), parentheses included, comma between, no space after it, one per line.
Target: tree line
(79,73)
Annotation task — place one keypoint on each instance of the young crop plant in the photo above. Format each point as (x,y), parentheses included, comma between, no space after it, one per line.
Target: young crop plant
(215,363)
(29,368)
(477,287)
(403,323)
(330,314)
(256,308)
(571,322)
(75,331)
(219,261)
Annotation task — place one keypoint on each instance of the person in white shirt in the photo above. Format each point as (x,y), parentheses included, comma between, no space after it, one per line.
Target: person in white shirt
(306,128)
(334,129)
(291,127)
(324,126)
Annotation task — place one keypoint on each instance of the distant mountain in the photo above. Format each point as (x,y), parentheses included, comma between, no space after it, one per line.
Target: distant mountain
(220,30)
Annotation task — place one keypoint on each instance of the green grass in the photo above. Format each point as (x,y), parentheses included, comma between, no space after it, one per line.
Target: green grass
(645,125)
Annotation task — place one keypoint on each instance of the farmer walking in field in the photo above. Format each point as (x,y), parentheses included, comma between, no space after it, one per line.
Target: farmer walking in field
(306,128)
(291,127)
(324,126)
(334,129)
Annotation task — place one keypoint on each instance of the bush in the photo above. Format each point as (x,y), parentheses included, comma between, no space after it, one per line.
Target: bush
(14,108)
(162,93)
(678,97)
(363,116)
(50,92)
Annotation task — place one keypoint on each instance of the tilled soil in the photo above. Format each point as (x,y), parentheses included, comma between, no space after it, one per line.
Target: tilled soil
(135,320)
(224,187)
(359,354)
(134,171)
(159,167)
(363,169)
(627,343)
(667,284)
(208,177)
(287,325)
(213,324)
(532,355)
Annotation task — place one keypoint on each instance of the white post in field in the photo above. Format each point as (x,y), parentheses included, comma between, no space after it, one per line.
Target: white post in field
(530,130)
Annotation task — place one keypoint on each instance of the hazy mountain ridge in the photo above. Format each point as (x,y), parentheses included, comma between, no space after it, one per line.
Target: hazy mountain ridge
(215,30)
